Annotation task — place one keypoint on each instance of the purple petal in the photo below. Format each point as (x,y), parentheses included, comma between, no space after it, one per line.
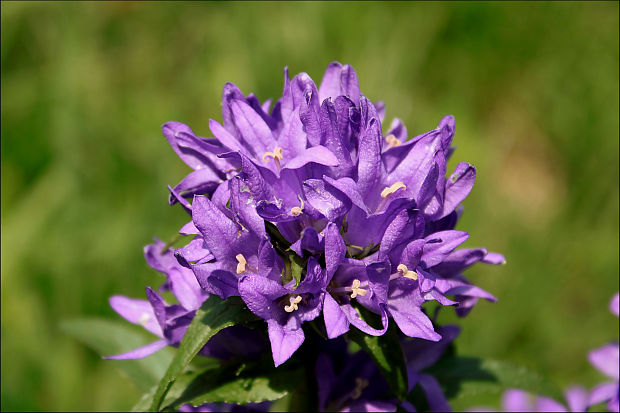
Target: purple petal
(614,305)
(186,289)
(413,322)
(446,127)
(435,252)
(309,241)
(412,253)
(606,360)
(259,294)
(436,400)
(335,248)
(222,236)
(354,318)
(407,225)
(189,229)
(225,137)
(230,92)
(369,406)
(349,83)
(159,307)
(176,197)
(195,250)
(216,280)
(140,352)
(348,187)
(316,278)
(336,322)
(331,84)
(370,168)
(292,139)
(136,312)
(545,404)
(270,264)
(285,339)
(459,185)
(603,392)
(577,398)
(254,132)
(193,158)
(159,261)
(366,230)
(421,354)
(514,400)
(398,129)
(317,154)
(331,139)
(242,204)
(331,203)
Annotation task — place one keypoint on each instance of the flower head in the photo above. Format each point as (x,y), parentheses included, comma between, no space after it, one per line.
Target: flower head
(308,208)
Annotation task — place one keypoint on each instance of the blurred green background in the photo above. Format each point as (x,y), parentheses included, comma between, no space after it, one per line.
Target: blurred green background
(86,86)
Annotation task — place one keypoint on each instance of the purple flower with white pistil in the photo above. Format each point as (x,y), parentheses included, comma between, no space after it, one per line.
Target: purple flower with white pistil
(285,308)
(606,360)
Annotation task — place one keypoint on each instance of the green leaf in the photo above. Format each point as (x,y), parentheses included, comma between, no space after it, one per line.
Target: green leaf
(296,267)
(470,381)
(213,316)
(110,337)
(387,353)
(252,383)
(240,384)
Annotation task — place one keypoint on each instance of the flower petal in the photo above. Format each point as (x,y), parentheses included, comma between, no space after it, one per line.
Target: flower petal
(140,352)
(285,339)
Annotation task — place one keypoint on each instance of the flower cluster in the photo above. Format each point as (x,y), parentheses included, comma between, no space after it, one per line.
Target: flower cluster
(308,210)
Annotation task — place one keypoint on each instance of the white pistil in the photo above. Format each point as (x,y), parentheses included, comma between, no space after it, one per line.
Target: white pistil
(296,211)
(293,304)
(404,271)
(392,141)
(389,190)
(356,289)
(241,263)
(360,384)
(276,155)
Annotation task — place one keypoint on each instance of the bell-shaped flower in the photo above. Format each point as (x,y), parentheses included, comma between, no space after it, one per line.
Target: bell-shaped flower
(285,308)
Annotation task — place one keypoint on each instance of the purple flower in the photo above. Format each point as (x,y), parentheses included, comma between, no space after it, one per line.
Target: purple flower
(285,308)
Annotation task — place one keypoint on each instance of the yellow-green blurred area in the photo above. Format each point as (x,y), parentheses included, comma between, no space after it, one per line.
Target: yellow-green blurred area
(86,87)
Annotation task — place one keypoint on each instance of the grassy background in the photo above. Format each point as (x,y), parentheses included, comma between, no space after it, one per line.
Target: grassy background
(86,86)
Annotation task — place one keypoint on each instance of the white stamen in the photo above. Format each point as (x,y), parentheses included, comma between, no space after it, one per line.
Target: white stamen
(241,263)
(293,304)
(360,384)
(296,211)
(356,289)
(389,190)
(392,141)
(404,271)
(276,155)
